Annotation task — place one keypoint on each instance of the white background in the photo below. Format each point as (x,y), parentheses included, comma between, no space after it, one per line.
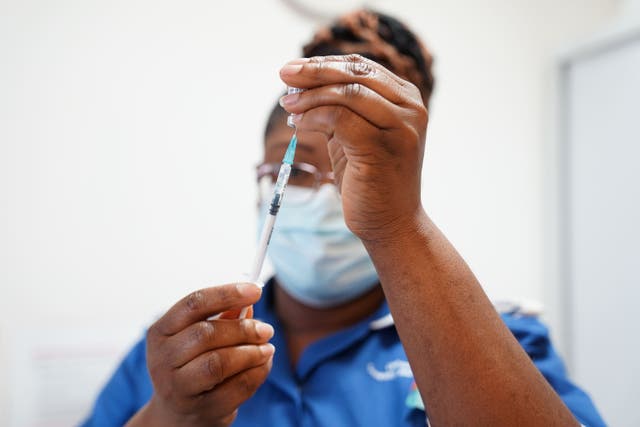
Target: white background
(129,131)
(601,92)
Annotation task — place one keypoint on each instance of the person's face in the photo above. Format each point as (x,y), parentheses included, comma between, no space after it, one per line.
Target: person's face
(311,147)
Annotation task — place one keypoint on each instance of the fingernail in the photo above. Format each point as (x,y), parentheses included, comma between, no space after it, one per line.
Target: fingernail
(296,118)
(248,289)
(289,100)
(267,349)
(264,330)
(291,69)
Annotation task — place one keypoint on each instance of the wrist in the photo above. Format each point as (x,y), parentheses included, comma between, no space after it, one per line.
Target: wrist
(395,252)
(398,231)
(156,414)
(153,413)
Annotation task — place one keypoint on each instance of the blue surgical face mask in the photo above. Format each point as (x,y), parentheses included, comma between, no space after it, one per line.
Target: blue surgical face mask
(317,259)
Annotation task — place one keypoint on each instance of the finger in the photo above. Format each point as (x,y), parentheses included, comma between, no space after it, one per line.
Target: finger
(237,389)
(358,138)
(205,336)
(202,304)
(329,120)
(210,369)
(357,97)
(326,70)
(339,161)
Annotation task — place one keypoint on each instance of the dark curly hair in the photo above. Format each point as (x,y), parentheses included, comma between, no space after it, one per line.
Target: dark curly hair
(378,37)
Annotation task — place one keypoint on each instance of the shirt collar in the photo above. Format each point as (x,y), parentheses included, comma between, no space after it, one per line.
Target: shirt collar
(383,322)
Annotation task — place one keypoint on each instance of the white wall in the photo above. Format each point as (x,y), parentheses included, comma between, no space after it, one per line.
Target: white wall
(602,230)
(121,121)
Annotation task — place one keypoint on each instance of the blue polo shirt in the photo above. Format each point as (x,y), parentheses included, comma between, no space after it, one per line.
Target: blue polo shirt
(357,377)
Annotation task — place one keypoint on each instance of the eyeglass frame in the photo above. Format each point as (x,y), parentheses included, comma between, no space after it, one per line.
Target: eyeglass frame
(272,168)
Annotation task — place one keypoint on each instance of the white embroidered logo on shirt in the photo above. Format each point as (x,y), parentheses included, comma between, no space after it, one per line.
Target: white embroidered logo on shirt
(392,370)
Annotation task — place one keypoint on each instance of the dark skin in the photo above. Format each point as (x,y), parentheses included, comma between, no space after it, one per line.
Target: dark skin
(469,368)
(201,369)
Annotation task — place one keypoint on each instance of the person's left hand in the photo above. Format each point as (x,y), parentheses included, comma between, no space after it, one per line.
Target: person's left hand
(375,123)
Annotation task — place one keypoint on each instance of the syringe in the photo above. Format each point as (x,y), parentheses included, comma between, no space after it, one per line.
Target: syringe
(276,201)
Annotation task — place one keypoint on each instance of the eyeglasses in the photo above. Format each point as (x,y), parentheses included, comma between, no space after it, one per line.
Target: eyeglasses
(302,175)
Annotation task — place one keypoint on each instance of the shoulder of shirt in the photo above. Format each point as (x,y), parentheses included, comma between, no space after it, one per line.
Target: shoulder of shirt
(512,308)
(518,307)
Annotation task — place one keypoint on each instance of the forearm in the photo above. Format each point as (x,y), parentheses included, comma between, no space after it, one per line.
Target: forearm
(469,368)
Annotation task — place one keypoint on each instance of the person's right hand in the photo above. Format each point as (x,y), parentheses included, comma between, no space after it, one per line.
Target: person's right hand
(203,370)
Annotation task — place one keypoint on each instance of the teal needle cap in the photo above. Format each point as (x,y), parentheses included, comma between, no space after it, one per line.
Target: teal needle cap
(291,150)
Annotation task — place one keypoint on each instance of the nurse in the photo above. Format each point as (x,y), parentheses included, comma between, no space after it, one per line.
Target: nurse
(372,317)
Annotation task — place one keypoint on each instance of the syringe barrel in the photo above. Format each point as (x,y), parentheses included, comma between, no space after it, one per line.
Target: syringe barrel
(278,192)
